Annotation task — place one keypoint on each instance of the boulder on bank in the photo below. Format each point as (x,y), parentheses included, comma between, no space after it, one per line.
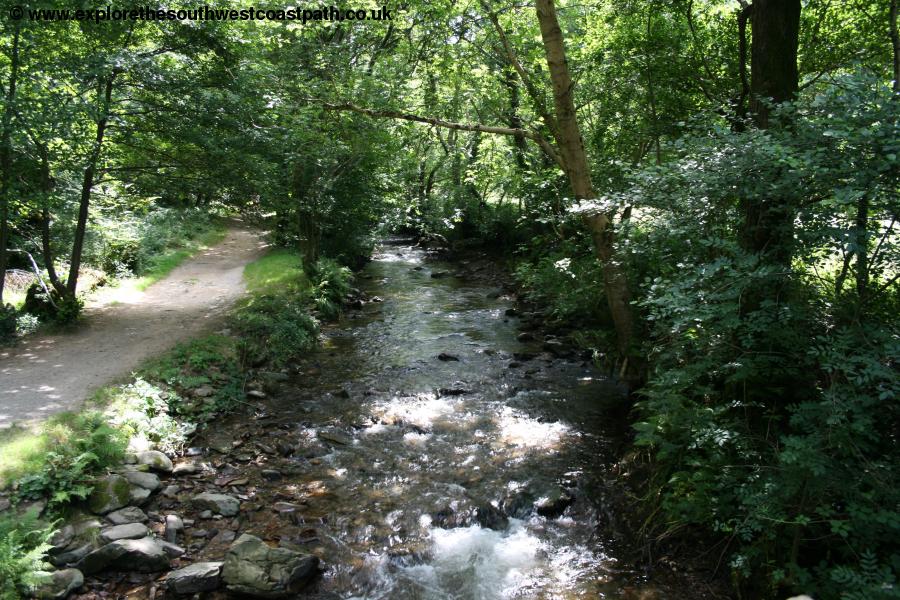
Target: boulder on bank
(198,577)
(129,514)
(126,531)
(222,504)
(57,584)
(255,569)
(155,460)
(146,555)
(110,493)
(147,481)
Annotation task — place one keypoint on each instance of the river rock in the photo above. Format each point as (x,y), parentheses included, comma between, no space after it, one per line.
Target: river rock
(71,557)
(110,493)
(174,525)
(129,514)
(447,357)
(186,468)
(146,555)
(555,347)
(57,584)
(221,504)
(172,550)
(204,391)
(127,531)
(148,481)
(138,495)
(271,474)
(155,460)
(490,517)
(61,539)
(334,435)
(198,577)
(255,569)
(553,503)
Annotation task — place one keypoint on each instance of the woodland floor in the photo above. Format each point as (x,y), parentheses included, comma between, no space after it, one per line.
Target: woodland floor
(49,373)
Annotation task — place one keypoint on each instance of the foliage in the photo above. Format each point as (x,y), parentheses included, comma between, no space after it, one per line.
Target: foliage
(274,328)
(141,411)
(760,372)
(150,244)
(771,423)
(565,280)
(59,463)
(23,545)
(279,271)
(210,361)
(8,315)
(275,323)
(330,285)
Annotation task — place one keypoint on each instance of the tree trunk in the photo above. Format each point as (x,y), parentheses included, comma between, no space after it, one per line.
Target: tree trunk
(46,189)
(307,216)
(774,41)
(575,164)
(862,248)
(768,223)
(895,45)
(105,100)
(514,120)
(6,158)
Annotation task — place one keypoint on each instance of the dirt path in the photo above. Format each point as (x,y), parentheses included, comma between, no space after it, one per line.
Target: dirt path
(47,374)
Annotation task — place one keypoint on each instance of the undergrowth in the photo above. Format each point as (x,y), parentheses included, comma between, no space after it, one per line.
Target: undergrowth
(23,545)
(168,399)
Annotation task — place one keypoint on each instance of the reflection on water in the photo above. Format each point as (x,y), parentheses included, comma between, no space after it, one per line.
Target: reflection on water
(436,444)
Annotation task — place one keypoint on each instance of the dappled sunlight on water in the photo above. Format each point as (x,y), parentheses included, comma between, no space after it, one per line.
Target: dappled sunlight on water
(430,451)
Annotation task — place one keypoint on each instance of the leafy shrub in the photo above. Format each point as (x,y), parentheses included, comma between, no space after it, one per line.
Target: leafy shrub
(772,424)
(208,361)
(147,239)
(121,257)
(74,449)
(567,282)
(275,328)
(331,283)
(52,308)
(8,316)
(143,413)
(68,310)
(23,546)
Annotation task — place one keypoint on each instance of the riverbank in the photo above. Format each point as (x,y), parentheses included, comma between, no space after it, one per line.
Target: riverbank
(438,440)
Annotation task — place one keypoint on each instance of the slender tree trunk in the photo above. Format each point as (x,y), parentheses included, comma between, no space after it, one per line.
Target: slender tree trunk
(574,158)
(895,43)
(307,216)
(46,250)
(6,158)
(105,100)
(768,223)
(514,120)
(862,248)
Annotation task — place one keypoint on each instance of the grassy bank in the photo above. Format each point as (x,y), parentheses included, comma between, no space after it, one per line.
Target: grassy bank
(167,400)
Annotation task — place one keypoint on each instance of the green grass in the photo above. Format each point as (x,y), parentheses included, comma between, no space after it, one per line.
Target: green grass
(165,263)
(277,272)
(25,452)
(20,453)
(17,299)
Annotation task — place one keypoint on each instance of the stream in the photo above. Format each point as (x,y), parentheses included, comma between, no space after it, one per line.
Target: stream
(442,454)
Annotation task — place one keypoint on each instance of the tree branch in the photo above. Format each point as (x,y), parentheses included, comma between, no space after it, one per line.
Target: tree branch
(395,114)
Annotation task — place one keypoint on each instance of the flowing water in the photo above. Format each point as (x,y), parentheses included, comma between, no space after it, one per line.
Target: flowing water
(422,477)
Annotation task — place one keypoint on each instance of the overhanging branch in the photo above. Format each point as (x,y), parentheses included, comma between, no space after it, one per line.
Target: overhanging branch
(396,114)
